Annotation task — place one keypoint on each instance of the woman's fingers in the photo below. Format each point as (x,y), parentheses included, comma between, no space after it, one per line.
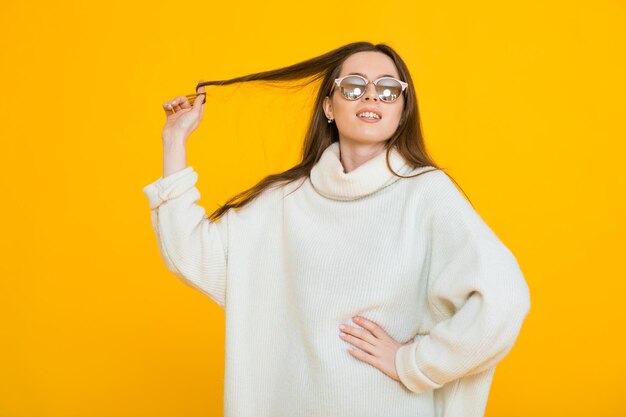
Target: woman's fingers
(177,103)
(171,106)
(377,348)
(182,102)
(167,106)
(371,326)
(359,333)
(200,98)
(198,104)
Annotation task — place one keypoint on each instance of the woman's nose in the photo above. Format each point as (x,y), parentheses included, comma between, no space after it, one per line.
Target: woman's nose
(370,92)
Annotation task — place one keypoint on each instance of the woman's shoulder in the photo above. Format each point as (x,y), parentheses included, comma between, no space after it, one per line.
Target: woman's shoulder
(268,199)
(429,179)
(450,210)
(438,192)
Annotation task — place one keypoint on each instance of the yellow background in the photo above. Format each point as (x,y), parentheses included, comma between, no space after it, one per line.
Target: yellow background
(523,103)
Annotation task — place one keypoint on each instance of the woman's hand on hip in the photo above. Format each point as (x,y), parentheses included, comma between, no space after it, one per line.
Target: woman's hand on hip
(376,347)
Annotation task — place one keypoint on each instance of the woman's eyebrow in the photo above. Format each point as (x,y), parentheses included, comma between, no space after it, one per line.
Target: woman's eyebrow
(365,76)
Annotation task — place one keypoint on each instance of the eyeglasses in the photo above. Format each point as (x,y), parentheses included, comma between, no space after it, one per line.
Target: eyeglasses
(354,86)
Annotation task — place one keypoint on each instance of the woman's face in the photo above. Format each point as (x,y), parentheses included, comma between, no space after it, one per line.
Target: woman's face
(352,128)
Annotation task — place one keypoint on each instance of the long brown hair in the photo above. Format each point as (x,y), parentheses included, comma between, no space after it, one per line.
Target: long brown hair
(320,134)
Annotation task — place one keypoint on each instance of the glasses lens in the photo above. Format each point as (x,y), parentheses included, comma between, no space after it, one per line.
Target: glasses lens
(352,87)
(388,89)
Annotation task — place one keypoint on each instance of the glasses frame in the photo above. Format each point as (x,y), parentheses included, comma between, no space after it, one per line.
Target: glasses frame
(367,83)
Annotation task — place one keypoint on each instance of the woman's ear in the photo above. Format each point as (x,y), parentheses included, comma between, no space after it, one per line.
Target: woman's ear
(328,108)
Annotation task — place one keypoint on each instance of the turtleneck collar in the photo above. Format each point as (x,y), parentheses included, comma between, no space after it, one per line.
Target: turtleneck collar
(329,179)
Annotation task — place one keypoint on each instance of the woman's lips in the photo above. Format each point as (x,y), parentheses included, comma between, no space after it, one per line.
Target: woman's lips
(366,120)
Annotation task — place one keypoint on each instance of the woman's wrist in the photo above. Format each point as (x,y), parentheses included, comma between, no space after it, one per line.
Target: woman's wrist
(174,156)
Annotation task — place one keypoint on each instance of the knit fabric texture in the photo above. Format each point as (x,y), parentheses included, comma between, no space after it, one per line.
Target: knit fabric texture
(410,254)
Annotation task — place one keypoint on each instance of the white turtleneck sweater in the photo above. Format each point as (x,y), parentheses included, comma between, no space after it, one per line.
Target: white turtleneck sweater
(411,255)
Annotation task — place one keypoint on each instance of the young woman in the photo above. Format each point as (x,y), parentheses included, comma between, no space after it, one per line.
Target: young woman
(359,282)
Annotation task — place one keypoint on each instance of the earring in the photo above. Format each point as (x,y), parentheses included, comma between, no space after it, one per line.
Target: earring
(330,120)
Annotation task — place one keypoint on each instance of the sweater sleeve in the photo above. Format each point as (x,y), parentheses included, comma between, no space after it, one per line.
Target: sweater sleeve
(192,246)
(476,291)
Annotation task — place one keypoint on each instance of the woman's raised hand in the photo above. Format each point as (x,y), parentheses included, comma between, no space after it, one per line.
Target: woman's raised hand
(182,117)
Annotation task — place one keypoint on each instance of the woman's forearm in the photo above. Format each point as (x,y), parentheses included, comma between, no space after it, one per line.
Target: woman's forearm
(174,156)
